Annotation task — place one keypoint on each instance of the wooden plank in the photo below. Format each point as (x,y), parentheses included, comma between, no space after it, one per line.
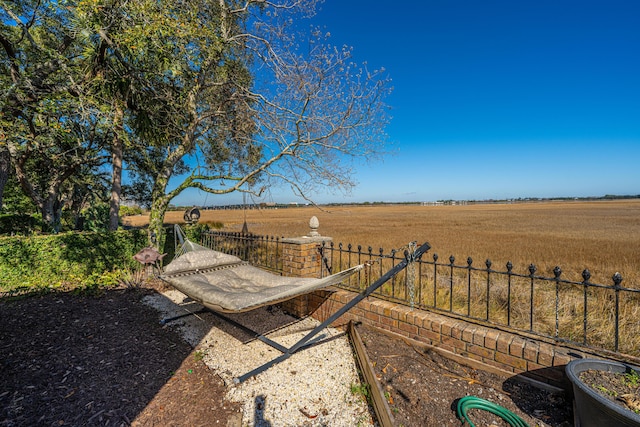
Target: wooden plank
(379,402)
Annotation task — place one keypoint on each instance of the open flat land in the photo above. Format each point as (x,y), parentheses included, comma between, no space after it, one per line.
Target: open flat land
(603,236)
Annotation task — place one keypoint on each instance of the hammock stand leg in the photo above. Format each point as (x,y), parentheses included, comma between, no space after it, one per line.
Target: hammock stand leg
(232,322)
(180,316)
(251,332)
(288,352)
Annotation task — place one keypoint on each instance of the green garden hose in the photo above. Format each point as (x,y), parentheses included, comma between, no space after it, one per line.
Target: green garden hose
(473,402)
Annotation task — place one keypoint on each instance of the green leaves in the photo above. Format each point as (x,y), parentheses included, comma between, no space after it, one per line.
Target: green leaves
(67,261)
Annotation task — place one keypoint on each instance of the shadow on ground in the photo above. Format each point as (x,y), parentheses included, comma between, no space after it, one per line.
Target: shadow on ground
(82,360)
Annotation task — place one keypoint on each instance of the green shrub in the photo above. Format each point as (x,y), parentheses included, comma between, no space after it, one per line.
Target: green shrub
(67,260)
(96,218)
(23,224)
(214,225)
(129,210)
(194,232)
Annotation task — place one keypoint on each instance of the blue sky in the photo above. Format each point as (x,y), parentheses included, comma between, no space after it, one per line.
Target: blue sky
(495,99)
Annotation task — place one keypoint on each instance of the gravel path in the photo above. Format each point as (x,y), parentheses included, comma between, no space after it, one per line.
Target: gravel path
(311,388)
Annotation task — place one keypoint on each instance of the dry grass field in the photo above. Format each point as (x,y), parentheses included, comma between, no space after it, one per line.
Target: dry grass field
(602,236)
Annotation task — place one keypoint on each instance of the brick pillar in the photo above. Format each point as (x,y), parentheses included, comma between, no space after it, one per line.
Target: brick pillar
(301,258)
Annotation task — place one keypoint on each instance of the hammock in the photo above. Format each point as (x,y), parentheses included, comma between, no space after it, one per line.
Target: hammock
(226,284)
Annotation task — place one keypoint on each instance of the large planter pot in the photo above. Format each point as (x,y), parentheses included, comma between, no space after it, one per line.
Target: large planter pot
(592,409)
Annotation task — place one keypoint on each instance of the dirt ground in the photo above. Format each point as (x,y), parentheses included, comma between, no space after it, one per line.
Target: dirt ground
(423,388)
(104,360)
(621,389)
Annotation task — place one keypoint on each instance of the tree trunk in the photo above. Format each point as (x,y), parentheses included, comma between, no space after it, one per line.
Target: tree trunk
(156,221)
(159,205)
(116,177)
(5,167)
(51,211)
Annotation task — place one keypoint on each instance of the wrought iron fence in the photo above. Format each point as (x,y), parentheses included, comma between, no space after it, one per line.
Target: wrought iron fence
(262,251)
(578,312)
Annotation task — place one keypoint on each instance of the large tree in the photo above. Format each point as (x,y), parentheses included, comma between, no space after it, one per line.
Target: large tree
(224,93)
(53,130)
(113,82)
(219,95)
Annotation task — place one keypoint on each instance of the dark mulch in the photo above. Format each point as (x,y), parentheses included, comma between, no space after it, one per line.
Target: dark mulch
(423,387)
(106,361)
(70,360)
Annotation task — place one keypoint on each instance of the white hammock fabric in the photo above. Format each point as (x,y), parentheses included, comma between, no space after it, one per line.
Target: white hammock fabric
(224,283)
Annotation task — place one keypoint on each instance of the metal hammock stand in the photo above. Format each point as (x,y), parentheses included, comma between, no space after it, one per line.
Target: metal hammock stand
(209,284)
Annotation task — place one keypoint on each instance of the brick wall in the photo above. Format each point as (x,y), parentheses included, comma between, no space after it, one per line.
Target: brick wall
(488,347)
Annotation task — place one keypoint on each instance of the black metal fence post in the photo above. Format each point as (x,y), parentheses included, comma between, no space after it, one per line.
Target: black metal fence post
(617,279)
(532,271)
(435,280)
(557,271)
(509,273)
(451,261)
(469,262)
(586,275)
(488,264)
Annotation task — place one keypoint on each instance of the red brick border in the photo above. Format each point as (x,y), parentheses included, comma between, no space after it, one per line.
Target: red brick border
(486,346)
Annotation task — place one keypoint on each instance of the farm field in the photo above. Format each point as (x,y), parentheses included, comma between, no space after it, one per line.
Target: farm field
(603,236)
